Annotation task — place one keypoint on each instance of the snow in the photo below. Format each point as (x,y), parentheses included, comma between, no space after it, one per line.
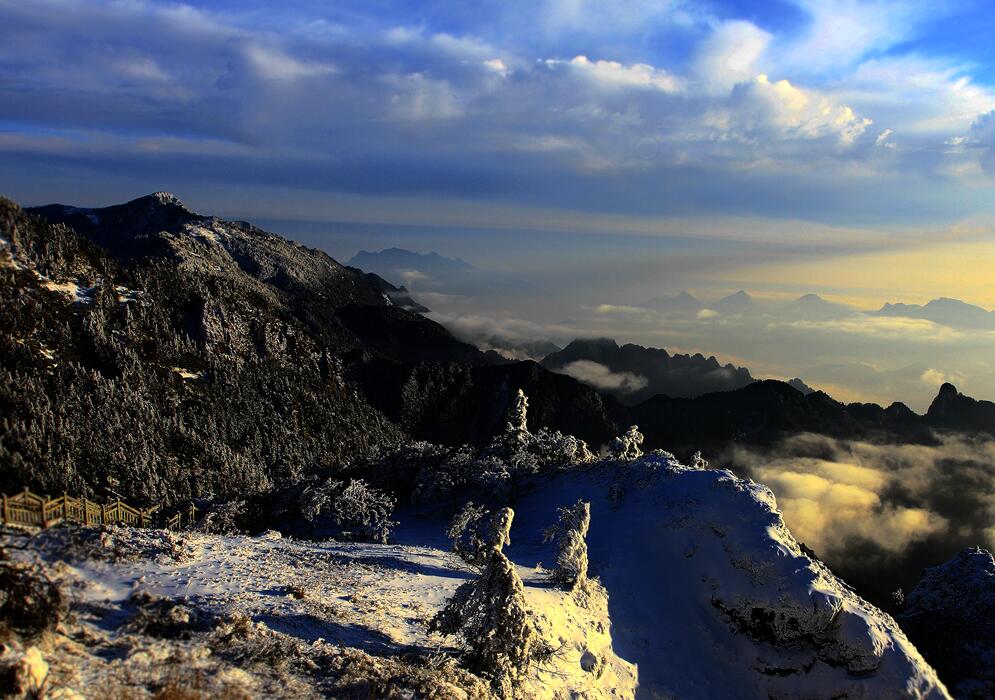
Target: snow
(708,594)
(373,597)
(125,295)
(79,295)
(204,233)
(188,374)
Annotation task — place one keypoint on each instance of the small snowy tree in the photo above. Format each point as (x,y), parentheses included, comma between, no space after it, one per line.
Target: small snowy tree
(570,533)
(698,462)
(627,446)
(468,534)
(518,423)
(490,615)
(555,448)
(364,512)
(359,511)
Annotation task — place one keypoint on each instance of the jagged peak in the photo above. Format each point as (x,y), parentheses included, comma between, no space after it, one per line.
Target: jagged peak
(946,390)
(167,198)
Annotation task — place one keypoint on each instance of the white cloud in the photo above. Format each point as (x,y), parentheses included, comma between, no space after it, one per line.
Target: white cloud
(843,32)
(730,55)
(614,74)
(497,66)
(601,377)
(881,327)
(419,97)
(760,104)
(271,63)
(934,377)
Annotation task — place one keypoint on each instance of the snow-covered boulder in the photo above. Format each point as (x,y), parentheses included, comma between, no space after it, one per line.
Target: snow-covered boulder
(711,596)
(950,614)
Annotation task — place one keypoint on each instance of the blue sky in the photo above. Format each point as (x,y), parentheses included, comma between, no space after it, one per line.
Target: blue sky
(612,151)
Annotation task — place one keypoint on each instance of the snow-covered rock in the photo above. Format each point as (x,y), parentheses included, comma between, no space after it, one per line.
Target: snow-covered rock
(951,616)
(711,597)
(698,591)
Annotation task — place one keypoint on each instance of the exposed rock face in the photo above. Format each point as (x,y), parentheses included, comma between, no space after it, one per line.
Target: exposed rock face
(952,410)
(950,615)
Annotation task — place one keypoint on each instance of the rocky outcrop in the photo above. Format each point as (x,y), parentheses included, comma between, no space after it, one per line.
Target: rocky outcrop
(952,410)
(950,615)
(712,597)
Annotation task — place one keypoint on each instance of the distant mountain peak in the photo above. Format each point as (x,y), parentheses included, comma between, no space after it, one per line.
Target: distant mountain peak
(810,299)
(947,390)
(396,255)
(167,198)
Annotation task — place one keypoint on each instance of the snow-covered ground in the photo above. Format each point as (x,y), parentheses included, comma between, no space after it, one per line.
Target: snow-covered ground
(375,598)
(709,596)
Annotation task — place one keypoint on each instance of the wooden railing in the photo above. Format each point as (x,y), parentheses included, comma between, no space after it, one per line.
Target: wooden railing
(28,509)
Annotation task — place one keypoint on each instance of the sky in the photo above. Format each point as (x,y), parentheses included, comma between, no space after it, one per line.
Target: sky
(605,152)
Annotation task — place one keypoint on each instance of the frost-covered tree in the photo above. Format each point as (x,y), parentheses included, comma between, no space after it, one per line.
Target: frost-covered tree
(359,511)
(468,534)
(364,512)
(698,462)
(627,446)
(491,617)
(551,447)
(570,534)
(518,414)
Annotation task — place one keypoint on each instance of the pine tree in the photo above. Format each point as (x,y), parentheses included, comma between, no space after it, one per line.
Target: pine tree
(570,534)
(491,617)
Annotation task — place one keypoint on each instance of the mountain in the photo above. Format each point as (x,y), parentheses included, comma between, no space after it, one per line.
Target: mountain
(710,596)
(945,311)
(801,386)
(683,303)
(422,271)
(177,355)
(241,265)
(814,307)
(952,410)
(950,616)
(763,411)
(398,295)
(645,372)
(738,303)
(456,403)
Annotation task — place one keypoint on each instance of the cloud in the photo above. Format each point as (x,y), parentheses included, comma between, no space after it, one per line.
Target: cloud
(841,33)
(611,74)
(620,309)
(880,512)
(935,378)
(881,327)
(601,377)
(705,314)
(762,105)
(730,55)
(274,64)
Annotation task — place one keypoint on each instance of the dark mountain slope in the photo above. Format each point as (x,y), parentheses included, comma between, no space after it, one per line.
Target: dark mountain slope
(165,377)
(952,410)
(244,266)
(764,411)
(671,375)
(454,403)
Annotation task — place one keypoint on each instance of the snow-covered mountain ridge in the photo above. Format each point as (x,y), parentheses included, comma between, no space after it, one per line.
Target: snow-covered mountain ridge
(708,596)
